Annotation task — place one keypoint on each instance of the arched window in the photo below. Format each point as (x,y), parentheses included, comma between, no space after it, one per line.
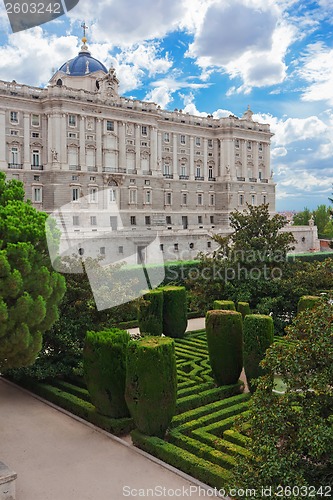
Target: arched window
(59,82)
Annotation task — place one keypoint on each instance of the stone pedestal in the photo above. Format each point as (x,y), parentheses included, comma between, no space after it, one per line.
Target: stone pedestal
(7,483)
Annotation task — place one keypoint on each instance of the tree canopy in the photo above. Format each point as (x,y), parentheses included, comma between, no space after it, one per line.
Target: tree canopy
(30,291)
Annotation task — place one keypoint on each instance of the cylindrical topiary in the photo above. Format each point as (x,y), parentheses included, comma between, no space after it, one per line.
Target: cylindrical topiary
(174,311)
(150,315)
(227,305)
(307,302)
(104,366)
(151,384)
(243,308)
(224,330)
(258,332)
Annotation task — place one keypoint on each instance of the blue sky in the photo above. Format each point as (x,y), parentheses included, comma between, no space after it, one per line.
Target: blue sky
(209,56)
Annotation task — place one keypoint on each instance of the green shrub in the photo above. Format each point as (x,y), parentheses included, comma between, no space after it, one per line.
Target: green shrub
(227,305)
(174,311)
(307,302)
(104,365)
(151,384)
(224,331)
(243,308)
(258,336)
(150,316)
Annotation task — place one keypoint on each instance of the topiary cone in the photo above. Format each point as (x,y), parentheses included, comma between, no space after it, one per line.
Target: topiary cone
(224,330)
(174,311)
(104,366)
(150,316)
(151,384)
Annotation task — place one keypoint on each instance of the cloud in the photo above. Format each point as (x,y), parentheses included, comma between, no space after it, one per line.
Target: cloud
(160,95)
(317,71)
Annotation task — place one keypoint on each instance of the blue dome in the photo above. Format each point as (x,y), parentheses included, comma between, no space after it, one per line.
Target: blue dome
(79,67)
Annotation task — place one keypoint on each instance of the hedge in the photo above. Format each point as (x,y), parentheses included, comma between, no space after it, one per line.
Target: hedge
(174,311)
(104,366)
(150,315)
(224,330)
(307,302)
(151,383)
(243,308)
(227,305)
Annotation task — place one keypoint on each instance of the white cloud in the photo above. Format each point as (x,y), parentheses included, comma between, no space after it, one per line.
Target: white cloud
(278,152)
(161,96)
(317,71)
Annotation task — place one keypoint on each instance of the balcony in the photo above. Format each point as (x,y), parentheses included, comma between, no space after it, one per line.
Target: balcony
(114,170)
(264,180)
(16,166)
(168,176)
(241,179)
(199,178)
(252,179)
(147,172)
(76,168)
(184,177)
(92,169)
(132,171)
(213,179)
(37,167)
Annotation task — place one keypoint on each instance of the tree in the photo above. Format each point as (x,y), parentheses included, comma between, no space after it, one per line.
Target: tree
(321,217)
(302,218)
(30,291)
(292,432)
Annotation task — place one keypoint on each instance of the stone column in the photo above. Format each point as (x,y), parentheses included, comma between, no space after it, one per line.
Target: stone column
(122,146)
(159,152)
(221,168)
(138,149)
(216,157)
(82,143)
(44,141)
(26,142)
(244,159)
(49,140)
(63,141)
(267,160)
(99,152)
(192,158)
(153,149)
(3,152)
(205,159)
(255,154)
(233,172)
(175,156)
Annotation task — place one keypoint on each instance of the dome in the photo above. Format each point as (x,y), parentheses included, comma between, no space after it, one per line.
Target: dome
(83,64)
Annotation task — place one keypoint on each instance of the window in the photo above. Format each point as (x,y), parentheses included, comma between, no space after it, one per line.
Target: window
(168,198)
(210,173)
(182,139)
(197,141)
(209,244)
(93,195)
(200,199)
(253,200)
(144,130)
(14,155)
(148,197)
(211,200)
(121,248)
(183,170)
(147,220)
(75,194)
(112,195)
(260,175)
(237,143)
(72,120)
(210,143)
(147,182)
(102,250)
(264,200)
(35,158)
(133,196)
(14,116)
(35,135)
(211,219)
(260,146)
(109,126)
(144,144)
(199,219)
(37,195)
(166,137)
(92,178)
(132,181)
(76,220)
(198,170)
(166,169)
(93,220)
(241,199)
(168,219)
(191,245)
(210,155)
(14,132)
(249,145)
(72,135)
(35,120)
(184,199)
(36,178)
(175,246)
(161,247)
(133,220)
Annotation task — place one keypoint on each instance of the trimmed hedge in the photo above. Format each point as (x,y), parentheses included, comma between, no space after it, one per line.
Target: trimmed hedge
(224,330)
(151,384)
(150,316)
(307,302)
(243,308)
(174,311)
(258,336)
(104,366)
(227,305)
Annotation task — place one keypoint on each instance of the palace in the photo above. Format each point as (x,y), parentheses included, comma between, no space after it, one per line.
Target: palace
(79,146)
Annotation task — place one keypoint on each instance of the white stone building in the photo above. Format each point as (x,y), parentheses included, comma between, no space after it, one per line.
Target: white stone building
(79,145)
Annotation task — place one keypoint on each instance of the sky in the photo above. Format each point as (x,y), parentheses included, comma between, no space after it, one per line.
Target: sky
(209,57)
